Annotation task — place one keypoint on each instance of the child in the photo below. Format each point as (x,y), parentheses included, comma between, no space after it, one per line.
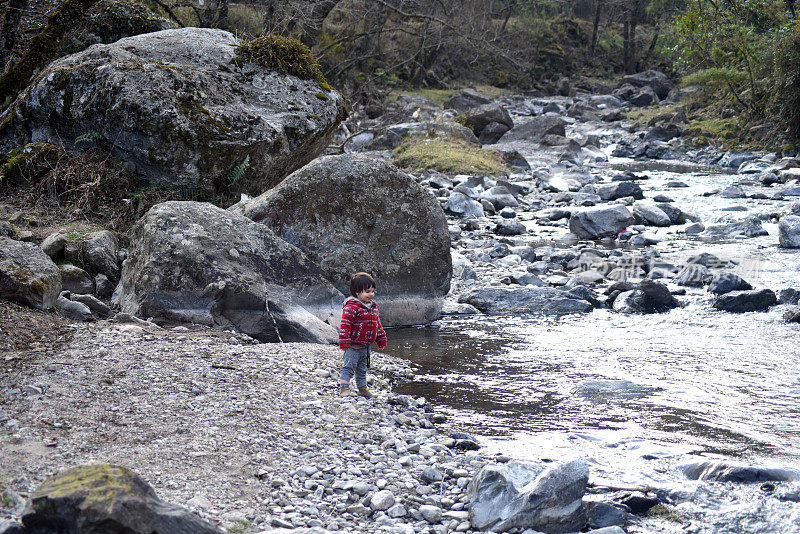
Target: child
(360,328)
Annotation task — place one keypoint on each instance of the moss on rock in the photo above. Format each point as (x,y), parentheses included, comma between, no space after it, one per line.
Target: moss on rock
(285,56)
(447,155)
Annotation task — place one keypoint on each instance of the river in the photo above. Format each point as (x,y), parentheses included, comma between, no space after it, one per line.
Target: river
(639,395)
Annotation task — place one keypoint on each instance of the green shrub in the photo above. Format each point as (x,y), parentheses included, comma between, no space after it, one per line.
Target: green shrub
(283,55)
(786,94)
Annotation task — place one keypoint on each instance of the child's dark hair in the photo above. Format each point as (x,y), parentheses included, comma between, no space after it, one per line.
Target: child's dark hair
(360,282)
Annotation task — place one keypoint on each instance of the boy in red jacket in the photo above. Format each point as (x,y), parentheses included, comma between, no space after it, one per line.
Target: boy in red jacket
(360,328)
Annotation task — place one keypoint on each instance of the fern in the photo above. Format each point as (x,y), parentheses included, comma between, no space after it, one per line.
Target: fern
(90,137)
(238,172)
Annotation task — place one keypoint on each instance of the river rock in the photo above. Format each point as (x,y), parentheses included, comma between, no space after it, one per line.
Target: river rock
(789,231)
(656,80)
(182,109)
(53,245)
(500,197)
(650,215)
(536,128)
(352,213)
(193,262)
(749,228)
(492,134)
(479,118)
(394,135)
(76,280)
(506,227)
(382,500)
(106,498)
(792,315)
(460,204)
(28,275)
(648,297)
(721,471)
(616,190)
(726,282)
(96,306)
(746,301)
(644,97)
(694,275)
(76,311)
(606,221)
(676,216)
(544,300)
(98,254)
(466,99)
(789,295)
(523,495)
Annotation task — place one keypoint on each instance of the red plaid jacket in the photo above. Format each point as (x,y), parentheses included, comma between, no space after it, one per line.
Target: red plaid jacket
(360,325)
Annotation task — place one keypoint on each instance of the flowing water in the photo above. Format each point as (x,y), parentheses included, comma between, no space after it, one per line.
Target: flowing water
(638,395)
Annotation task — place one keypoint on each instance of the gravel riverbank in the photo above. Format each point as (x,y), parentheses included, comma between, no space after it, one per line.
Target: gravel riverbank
(250,436)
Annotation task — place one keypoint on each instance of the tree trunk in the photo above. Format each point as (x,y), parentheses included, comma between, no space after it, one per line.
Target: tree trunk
(629,37)
(597,10)
(41,50)
(650,49)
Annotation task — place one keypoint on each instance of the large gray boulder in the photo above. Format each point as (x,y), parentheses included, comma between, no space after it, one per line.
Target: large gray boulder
(193,262)
(526,496)
(106,498)
(605,221)
(179,106)
(28,275)
(352,213)
(509,300)
(536,128)
(789,231)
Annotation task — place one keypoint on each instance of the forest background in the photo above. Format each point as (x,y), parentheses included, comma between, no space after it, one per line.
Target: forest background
(739,59)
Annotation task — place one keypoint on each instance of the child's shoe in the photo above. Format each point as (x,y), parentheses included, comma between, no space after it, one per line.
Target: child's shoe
(345,391)
(366,393)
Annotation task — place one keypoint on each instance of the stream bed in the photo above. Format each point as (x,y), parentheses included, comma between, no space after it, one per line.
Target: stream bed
(639,395)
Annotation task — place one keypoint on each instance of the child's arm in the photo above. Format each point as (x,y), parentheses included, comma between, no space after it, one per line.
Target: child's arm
(381,339)
(348,314)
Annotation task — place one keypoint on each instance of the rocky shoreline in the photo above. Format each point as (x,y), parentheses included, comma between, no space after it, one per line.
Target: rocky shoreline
(244,434)
(251,437)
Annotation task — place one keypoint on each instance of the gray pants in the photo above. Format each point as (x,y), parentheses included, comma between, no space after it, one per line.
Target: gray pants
(356,362)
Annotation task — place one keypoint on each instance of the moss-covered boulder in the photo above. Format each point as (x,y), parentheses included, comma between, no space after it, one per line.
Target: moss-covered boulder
(193,262)
(106,498)
(183,109)
(27,274)
(356,213)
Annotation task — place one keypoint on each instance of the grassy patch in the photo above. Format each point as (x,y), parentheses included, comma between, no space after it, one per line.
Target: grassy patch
(644,115)
(449,156)
(716,128)
(666,513)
